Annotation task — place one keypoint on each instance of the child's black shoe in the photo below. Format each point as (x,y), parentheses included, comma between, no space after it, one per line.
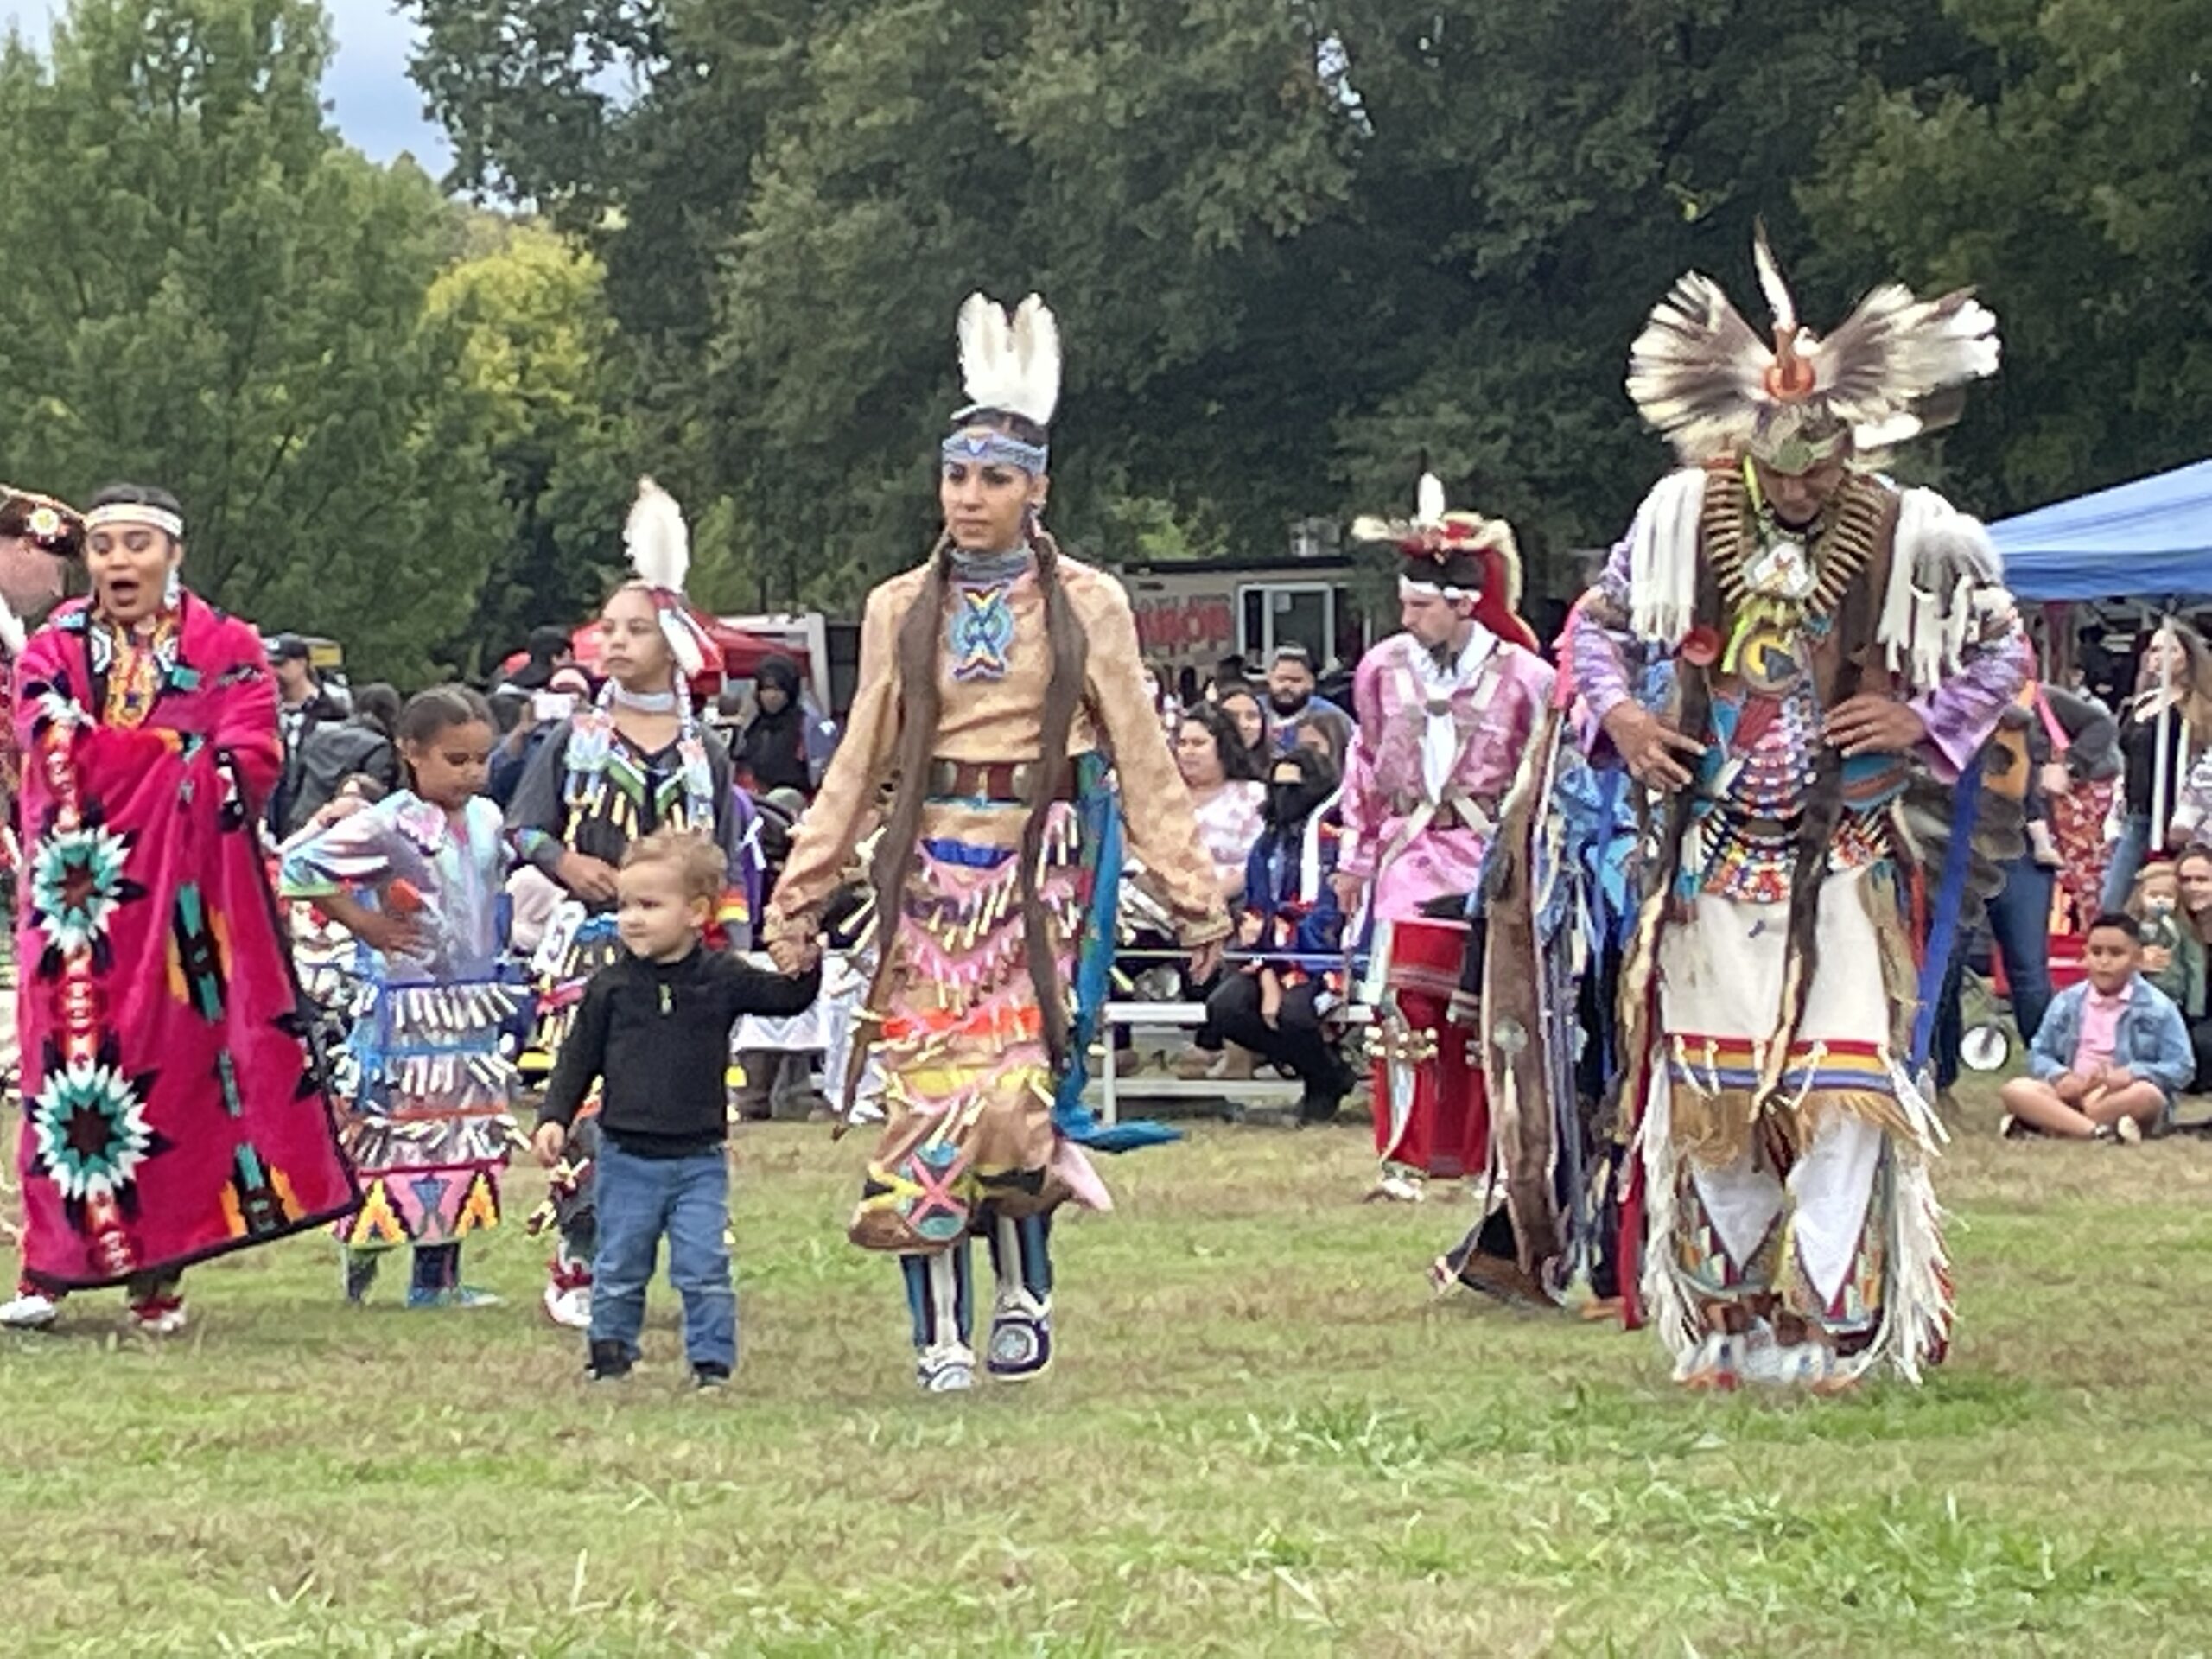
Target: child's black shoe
(709,1375)
(610,1362)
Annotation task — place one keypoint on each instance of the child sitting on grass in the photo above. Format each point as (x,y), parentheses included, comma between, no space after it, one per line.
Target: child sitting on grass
(653,1031)
(2112,1052)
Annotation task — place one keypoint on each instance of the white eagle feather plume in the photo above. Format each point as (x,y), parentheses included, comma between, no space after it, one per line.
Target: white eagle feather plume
(1011,365)
(1429,501)
(659,545)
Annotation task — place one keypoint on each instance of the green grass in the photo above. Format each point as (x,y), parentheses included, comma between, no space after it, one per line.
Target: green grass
(1261,1438)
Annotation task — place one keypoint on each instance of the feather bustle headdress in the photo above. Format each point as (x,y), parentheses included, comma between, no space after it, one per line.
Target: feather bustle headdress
(1706,381)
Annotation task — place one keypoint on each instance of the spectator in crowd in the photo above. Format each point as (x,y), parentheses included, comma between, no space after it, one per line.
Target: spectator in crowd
(2062,741)
(2173,959)
(301,705)
(1159,686)
(2078,768)
(1293,697)
(2183,971)
(1227,806)
(1286,974)
(567,690)
(549,648)
(731,715)
(773,754)
(333,751)
(2112,1054)
(1248,718)
(1330,738)
(2168,719)
(1230,671)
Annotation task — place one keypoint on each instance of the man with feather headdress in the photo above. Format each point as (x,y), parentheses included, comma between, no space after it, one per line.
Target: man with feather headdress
(1002,695)
(1835,643)
(1446,711)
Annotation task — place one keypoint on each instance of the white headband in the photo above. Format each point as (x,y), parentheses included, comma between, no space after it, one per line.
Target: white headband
(134,512)
(1409,589)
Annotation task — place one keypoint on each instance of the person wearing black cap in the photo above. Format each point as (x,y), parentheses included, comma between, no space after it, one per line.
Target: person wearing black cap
(301,704)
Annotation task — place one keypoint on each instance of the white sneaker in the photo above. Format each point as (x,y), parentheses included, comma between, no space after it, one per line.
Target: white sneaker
(29,1312)
(947,1369)
(160,1318)
(1394,1188)
(570,1308)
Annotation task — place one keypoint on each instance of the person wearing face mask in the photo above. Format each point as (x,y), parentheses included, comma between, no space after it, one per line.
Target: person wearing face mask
(1001,694)
(174,1108)
(1447,710)
(1286,972)
(636,760)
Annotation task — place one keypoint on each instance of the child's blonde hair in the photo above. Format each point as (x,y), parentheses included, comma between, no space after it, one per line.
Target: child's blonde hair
(699,863)
(2151,878)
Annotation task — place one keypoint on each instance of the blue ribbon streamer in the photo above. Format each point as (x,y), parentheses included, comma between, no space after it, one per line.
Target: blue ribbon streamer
(1098,817)
(1943,924)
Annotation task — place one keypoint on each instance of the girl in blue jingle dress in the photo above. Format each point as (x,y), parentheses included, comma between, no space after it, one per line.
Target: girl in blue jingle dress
(416,879)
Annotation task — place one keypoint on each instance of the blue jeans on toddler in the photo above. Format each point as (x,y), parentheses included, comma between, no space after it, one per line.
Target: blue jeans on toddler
(687,1199)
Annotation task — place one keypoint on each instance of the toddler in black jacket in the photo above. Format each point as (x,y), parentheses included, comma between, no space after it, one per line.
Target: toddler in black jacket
(653,1032)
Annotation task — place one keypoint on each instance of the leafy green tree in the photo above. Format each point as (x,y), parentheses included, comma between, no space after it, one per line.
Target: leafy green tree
(526,322)
(2076,191)
(207,291)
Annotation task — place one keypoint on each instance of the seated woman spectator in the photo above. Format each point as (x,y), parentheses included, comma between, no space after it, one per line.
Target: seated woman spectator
(1325,736)
(1226,804)
(1253,748)
(2112,1054)
(1283,975)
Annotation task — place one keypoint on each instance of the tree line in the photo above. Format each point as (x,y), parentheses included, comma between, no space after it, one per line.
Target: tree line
(1301,250)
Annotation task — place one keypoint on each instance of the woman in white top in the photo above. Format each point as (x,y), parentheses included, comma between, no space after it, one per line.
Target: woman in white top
(1228,807)
(2171,709)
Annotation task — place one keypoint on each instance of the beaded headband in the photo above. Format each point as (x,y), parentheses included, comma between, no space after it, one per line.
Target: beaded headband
(981,445)
(134,512)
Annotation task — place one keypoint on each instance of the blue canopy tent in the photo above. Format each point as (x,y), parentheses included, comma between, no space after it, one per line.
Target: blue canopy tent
(2150,538)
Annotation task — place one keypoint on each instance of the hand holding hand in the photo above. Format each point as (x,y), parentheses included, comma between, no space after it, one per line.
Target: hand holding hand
(1867,724)
(1206,961)
(1656,755)
(793,955)
(2070,1088)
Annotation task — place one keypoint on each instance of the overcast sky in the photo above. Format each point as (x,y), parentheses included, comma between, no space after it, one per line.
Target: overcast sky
(376,106)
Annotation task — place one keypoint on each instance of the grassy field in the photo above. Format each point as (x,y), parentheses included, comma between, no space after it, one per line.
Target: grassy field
(1261,1438)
